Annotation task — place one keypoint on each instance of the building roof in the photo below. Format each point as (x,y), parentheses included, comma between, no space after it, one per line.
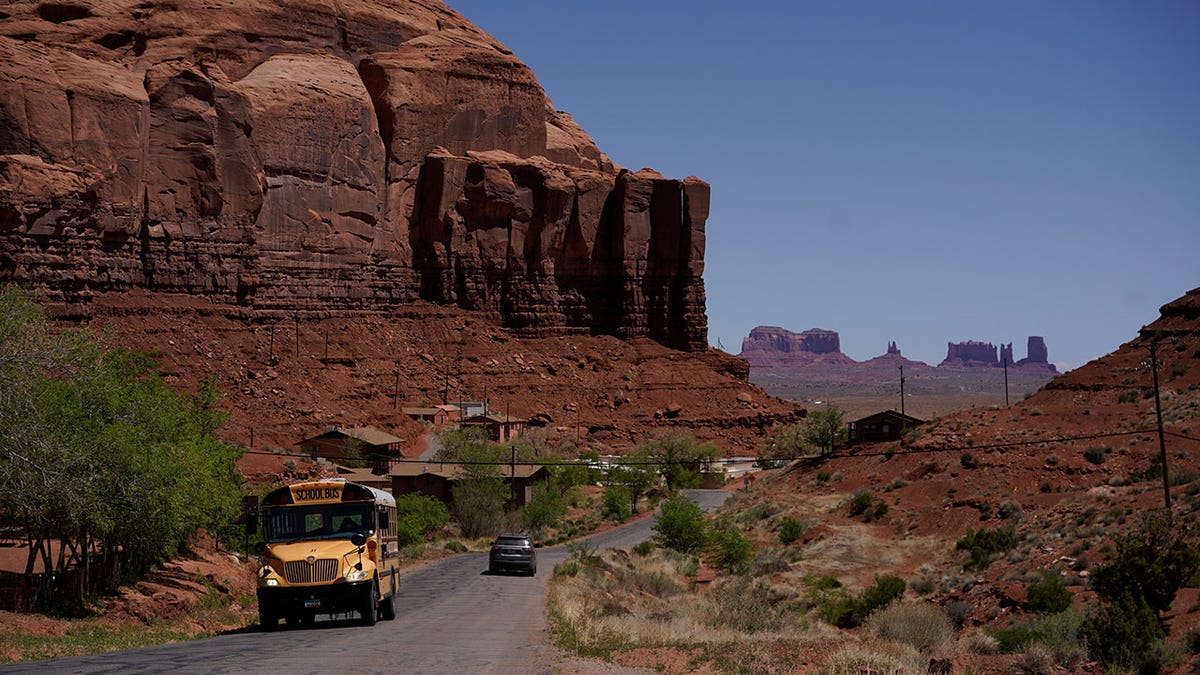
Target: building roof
(890,414)
(421,411)
(368,435)
(495,418)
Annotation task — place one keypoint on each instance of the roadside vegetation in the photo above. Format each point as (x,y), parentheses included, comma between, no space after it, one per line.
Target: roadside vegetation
(747,589)
(98,454)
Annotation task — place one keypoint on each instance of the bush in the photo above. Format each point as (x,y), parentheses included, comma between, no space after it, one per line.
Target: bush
(1096,455)
(743,604)
(1011,511)
(616,503)
(421,514)
(1121,633)
(1048,596)
(791,530)
(885,590)
(1152,564)
(968,460)
(729,548)
(985,545)
(860,503)
(918,624)
(680,525)
(843,610)
(644,548)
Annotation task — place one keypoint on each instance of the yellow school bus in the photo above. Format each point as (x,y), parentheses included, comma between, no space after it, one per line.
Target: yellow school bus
(329,547)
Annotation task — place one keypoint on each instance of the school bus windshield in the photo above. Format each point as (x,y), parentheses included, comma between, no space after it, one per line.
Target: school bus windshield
(318,521)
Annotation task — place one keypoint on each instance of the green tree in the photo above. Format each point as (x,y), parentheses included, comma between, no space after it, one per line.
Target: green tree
(1153,562)
(730,549)
(824,430)
(547,507)
(419,517)
(680,459)
(637,476)
(616,503)
(785,442)
(681,525)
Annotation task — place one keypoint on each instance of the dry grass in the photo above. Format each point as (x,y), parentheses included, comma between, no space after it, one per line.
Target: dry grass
(918,624)
(882,658)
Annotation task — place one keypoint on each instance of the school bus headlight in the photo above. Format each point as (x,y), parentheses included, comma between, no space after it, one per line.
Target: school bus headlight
(357,575)
(271,582)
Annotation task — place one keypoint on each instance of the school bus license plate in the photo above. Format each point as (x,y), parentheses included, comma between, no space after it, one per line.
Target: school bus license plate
(312,602)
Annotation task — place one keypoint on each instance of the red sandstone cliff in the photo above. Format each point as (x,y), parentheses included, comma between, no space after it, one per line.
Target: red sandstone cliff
(302,156)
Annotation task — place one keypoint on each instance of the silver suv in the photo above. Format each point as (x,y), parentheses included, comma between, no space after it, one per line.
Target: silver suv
(512,552)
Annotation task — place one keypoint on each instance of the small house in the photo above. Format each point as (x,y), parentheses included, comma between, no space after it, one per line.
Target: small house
(436,416)
(882,426)
(500,428)
(436,479)
(357,443)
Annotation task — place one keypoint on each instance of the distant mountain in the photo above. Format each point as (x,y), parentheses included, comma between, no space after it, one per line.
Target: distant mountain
(772,347)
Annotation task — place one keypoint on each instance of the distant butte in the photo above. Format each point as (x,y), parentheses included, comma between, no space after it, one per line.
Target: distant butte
(772,347)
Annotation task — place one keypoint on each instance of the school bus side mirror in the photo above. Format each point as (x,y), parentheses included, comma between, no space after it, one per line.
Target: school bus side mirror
(358,539)
(251,523)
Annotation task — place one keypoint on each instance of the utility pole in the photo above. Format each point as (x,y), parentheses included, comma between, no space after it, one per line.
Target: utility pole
(396,392)
(1004,360)
(902,392)
(1162,441)
(512,472)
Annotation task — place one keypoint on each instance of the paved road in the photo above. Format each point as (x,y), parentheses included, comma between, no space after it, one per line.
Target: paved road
(452,617)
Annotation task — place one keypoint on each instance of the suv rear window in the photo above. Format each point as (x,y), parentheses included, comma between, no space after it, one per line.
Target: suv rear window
(513,541)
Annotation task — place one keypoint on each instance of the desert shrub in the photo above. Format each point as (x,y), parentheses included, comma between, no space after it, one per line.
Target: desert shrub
(644,548)
(1051,460)
(1120,633)
(743,604)
(680,525)
(1011,510)
(823,477)
(1180,369)
(979,642)
(1096,454)
(868,506)
(1060,634)
(857,659)
(968,460)
(1128,397)
(770,561)
(757,513)
(985,545)
(1036,661)
(881,594)
(567,568)
(455,546)
(860,503)
(958,612)
(616,505)
(920,625)
(729,548)
(658,583)
(839,608)
(790,530)
(1152,563)
(1048,596)
(923,586)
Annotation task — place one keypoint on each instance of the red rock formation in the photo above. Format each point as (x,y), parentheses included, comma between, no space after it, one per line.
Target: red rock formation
(970,353)
(325,156)
(772,347)
(1037,355)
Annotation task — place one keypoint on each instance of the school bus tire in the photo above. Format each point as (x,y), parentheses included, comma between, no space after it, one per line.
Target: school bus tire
(387,608)
(370,607)
(267,619)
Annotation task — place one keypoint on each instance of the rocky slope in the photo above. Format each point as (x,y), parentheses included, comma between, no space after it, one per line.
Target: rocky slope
(290,379)
(300,156)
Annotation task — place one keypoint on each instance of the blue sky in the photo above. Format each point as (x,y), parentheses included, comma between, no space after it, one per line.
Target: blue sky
(922,172)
